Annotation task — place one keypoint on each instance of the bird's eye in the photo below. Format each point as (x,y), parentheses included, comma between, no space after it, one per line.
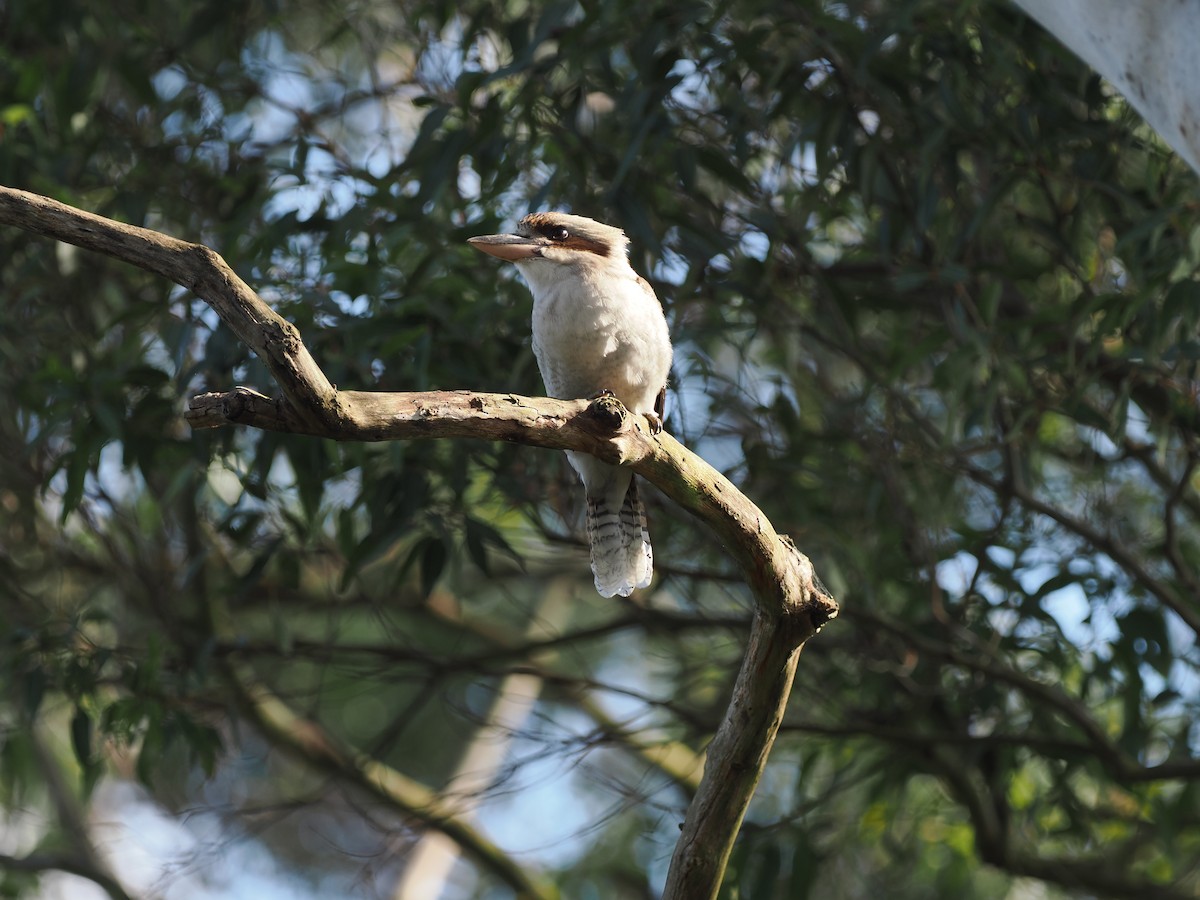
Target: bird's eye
(559,234)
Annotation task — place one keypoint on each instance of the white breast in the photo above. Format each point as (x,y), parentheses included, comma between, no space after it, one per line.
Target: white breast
(595,327)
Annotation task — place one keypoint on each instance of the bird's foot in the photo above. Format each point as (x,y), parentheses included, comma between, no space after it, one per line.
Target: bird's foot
(655,421)
(608,409)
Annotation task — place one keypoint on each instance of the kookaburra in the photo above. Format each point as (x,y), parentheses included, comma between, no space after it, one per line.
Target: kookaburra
(597,326)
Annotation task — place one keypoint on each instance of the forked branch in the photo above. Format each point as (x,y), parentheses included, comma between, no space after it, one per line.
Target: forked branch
(791,603)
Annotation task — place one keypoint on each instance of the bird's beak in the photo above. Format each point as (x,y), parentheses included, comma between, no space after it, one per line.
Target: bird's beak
(512,247)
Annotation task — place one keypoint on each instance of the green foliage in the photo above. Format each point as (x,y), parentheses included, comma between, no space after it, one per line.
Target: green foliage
(934,292)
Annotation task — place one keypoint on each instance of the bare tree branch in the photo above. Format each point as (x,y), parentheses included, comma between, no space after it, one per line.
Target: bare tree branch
(736,756)
(791,602)
(316,746)
(480,767)
(674,759)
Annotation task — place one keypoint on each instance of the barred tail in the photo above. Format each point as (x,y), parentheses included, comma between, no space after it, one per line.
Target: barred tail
(621,555)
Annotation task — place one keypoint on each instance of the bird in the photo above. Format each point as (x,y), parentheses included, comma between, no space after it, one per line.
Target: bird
(597,327)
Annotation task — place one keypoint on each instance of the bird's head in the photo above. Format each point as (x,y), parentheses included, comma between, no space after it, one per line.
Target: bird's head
(548,245)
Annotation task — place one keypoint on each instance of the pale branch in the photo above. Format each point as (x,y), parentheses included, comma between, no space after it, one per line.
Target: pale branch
(481,764)
(673,759)
(791,602)
(317,747)
(735,761)
(1146,53)
(311,743)
(273,339)
(782,578)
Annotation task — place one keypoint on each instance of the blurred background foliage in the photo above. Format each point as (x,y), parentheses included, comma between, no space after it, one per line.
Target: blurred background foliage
(934,293)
